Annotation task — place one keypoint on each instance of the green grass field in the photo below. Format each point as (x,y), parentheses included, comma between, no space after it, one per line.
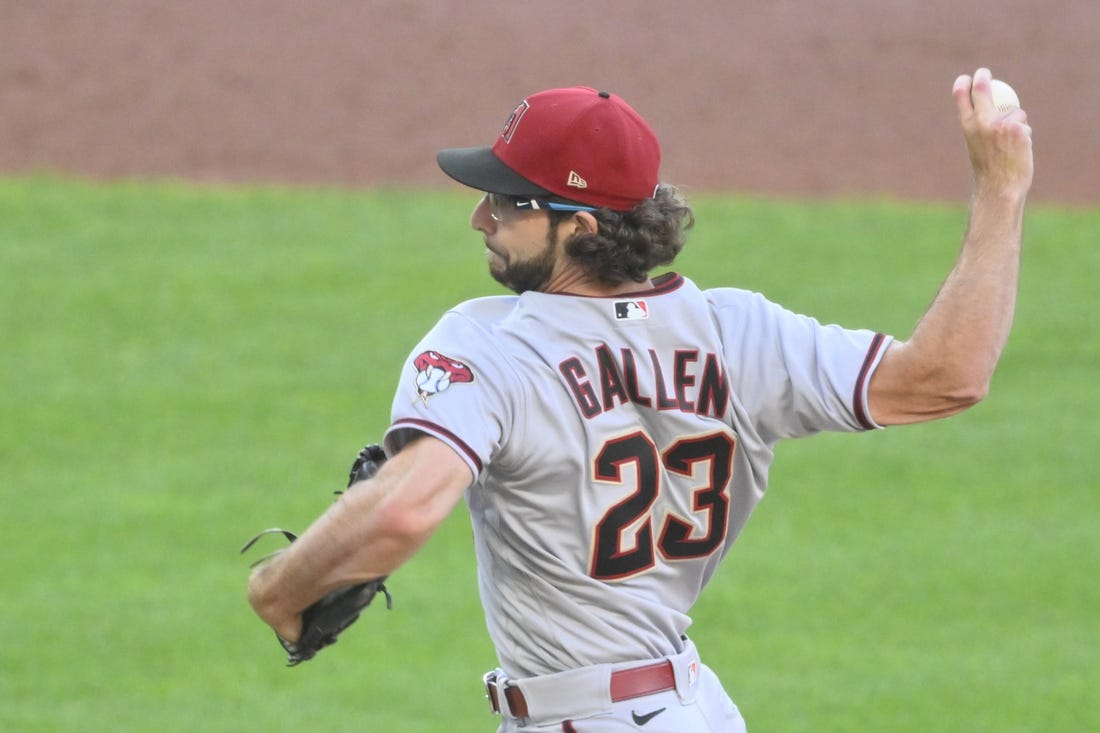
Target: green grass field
(183,366)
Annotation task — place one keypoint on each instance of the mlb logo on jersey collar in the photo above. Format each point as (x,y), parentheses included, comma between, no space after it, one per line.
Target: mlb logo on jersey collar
(631,310)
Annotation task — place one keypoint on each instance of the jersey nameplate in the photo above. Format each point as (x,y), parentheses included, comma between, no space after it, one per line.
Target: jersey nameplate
(695,383)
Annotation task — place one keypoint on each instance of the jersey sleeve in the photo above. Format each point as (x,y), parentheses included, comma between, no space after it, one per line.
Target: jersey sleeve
(453,387)
(793,375)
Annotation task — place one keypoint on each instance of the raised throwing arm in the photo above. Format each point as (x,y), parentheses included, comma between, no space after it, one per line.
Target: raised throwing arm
(948,362)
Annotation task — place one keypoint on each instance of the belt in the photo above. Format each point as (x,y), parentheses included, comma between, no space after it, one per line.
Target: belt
(626,684)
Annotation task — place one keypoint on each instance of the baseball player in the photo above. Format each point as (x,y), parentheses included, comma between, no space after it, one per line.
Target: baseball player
(611,431)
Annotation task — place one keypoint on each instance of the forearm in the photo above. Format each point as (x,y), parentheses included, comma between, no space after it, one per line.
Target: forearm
(372,530)
(948,363)
(341,548)
(967,325)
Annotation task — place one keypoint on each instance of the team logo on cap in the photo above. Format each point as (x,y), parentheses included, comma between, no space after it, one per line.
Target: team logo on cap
(513,121)
(436,372)
(631,310)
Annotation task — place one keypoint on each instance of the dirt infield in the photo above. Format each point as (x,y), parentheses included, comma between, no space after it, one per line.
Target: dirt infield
(775,97)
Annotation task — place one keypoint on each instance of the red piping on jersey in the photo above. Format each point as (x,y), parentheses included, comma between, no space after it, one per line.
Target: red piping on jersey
(439,430)
(662,284)
(857,398)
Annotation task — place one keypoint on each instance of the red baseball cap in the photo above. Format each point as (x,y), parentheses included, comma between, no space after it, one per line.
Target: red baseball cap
(575,143)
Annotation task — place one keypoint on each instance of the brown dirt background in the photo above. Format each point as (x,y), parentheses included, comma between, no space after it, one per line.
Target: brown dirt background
(771,97)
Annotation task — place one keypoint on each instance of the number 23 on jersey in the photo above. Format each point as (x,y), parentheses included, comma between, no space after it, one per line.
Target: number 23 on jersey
(675,539)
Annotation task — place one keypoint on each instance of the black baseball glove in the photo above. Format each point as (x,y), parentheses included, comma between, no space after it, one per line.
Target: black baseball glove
(366,464)
(323,621)
(326,618)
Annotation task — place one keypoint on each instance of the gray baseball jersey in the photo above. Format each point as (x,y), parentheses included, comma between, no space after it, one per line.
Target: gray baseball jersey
(619,445)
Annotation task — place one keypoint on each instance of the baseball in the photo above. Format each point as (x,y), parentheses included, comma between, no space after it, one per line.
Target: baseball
(1004,96)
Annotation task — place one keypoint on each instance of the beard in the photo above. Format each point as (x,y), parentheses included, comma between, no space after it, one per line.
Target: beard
(530,274)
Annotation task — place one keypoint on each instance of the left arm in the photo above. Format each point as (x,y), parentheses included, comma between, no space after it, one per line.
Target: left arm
(374,528)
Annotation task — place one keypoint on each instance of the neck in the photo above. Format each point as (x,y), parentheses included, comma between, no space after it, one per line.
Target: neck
(576,282)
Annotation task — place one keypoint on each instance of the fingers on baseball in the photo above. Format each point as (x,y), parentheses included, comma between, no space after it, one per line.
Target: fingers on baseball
(973,94)
(965,97)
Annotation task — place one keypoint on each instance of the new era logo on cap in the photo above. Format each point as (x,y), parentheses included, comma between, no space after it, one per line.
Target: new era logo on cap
(576,181)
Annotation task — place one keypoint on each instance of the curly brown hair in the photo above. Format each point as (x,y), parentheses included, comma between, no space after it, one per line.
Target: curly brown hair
(628,245)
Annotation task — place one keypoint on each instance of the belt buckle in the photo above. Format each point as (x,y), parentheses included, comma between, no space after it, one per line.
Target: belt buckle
(491,693)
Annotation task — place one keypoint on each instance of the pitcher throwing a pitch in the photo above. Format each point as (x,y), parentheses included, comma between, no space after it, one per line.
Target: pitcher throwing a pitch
(611,430)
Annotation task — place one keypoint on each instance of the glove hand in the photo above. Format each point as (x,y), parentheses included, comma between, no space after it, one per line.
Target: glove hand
(323,621)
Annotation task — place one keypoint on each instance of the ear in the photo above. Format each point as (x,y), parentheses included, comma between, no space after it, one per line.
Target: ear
(584,223)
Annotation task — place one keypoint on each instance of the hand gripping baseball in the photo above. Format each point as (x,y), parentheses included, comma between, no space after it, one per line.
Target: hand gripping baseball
(327,618)
(997,134)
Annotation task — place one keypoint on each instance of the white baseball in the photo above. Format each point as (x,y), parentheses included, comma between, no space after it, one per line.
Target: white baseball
(1004,96)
